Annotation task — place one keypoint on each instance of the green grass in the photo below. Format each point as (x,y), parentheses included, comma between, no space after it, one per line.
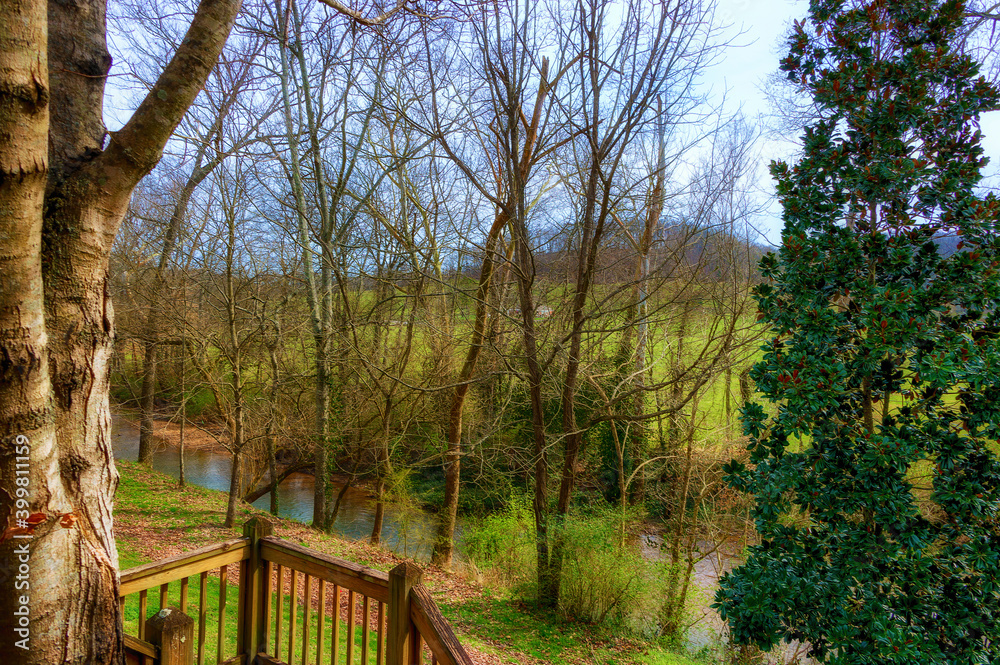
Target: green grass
(212,587)
(546,637)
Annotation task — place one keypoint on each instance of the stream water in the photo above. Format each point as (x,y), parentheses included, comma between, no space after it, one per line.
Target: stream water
(405,531)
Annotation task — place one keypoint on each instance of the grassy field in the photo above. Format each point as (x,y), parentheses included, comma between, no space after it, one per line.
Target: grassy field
(155,519)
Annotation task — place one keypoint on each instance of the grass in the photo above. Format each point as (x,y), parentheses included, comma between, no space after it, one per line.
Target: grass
(155,519)
(546,638)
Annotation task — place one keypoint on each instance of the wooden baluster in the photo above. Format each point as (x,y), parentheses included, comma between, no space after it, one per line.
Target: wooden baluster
(240,606)
(335,640)
(184,595)
(268,613)
(306,608)
(202,615)
(142,614)
(380,633)
(281,606)
(350,627)
(364,631)
(164,588)
(223,588)
(320,621)
(293,600)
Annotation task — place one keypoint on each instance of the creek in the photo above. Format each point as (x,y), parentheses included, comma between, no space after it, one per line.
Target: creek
(406,531)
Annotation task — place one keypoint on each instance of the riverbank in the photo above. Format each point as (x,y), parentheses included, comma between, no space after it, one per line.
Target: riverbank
(167,432)
(406,529)
(155,519)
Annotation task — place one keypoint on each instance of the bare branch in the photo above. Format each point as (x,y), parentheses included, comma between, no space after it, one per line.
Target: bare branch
(357,16)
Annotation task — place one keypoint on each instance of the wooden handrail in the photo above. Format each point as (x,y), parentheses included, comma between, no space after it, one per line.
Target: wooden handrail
(142,647)
(435,629)
(368,581)
(181,566)
(413,616)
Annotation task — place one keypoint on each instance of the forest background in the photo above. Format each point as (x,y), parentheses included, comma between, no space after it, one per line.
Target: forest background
(497,261)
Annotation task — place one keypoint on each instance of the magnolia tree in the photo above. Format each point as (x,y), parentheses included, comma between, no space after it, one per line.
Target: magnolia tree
(874,458)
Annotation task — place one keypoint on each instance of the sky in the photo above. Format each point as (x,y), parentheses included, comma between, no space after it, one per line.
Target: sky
(745,69)
(756,28)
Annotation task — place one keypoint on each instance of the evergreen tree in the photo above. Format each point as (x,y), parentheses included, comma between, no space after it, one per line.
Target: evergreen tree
(875,462)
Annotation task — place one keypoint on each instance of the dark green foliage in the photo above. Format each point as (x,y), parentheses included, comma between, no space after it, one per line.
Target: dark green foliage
(609,436)
(875,469)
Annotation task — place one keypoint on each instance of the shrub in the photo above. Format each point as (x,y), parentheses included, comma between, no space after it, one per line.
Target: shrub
(502,545)
(602,571)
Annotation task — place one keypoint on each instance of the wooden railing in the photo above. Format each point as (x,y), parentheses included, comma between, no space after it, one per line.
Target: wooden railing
(293,605)
(215,560)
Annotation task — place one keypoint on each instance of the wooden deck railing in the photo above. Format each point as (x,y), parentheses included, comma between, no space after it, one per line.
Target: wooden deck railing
(293,605)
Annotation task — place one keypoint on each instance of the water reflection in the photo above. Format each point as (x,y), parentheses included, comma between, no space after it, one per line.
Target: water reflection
(406,531)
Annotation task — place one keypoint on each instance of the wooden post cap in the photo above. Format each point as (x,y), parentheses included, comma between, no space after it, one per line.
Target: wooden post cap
(408,571)
(173,632)
(257,526)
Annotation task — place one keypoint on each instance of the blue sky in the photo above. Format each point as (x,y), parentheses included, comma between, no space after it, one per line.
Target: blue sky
(745,69)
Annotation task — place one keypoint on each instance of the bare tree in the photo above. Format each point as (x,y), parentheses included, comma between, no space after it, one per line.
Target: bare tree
(232,76)
(332,135)
(492,135)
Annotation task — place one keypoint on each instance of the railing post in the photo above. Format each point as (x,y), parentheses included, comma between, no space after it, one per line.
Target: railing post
(172,631)
(402,632)
(252,581)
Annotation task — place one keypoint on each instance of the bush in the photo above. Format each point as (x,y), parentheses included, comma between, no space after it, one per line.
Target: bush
(604,577)
(602,572)
(502,545)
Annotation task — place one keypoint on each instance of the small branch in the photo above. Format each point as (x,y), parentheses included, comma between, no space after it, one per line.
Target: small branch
(357,16)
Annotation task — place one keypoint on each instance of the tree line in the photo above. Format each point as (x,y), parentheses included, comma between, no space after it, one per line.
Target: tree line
(490,240)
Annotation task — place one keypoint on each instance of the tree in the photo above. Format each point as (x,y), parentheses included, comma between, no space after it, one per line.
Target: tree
(510,80)
(232,81)
(875,466)
(65,185)
(629,64)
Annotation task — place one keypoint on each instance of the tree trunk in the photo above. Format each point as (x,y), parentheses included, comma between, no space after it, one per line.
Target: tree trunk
(272,462)
(275,479)
(376,537)
(317,296)
(181,480)
(235,480)
(444,544)
(548,584)
(322,432)
(147,394)
(56,320)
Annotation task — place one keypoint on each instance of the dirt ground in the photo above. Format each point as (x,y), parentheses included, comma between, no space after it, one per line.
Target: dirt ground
(196,436)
